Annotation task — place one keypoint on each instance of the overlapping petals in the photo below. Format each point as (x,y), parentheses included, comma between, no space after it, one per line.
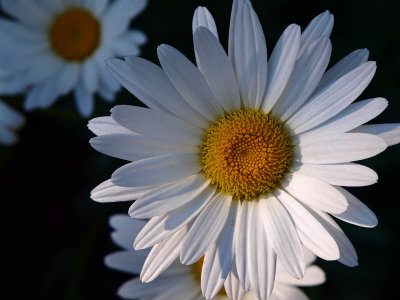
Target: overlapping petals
(27,48)
(316,106)
(182,282)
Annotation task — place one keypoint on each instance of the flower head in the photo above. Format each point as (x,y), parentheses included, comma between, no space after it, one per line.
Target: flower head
(242,158)
(180,281)
(53,47)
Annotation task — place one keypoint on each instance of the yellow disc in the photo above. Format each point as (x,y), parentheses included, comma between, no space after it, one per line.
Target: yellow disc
(246,154)
(75,34)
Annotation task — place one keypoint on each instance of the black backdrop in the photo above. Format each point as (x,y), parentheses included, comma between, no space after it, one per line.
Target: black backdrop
(55,237)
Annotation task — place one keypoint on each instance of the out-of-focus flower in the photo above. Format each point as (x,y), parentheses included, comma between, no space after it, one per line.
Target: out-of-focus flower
(54,47)
(242,160)
(10,120)
(183,282)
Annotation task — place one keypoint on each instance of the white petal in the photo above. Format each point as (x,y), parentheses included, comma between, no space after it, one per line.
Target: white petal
(333,99)
(389,132)
(133,147)
(162,255)
(107,79)
(90,76)
(151,85)
(161,227)
(10,117)
(156,170)
(36,74)
(211,274)
(186,288)
(357,213)
(206,229)
(106,125)
(84,100)
(189,81)
(236,7)
(314,276)
(309,256)
(157,124)
(252,296)
(217,69)
(125,224)
(305,77)
(202,17)
(240,240)
(168,197)
(13,85)
(20,33)
(348,255)
(311,233)
(7,137)
(128,43)
(218,258)
(345,65)
(28,12)
(321,25)
(97,7)
(125,261)
(315,193)
(339,148)
(67,78)
(282,235)
(280,65)
(348,174)
(260,255)
(123,74)
(136,288)
(353,116)
(126,230)
(109,192)
(285,292)
(119,14)
(233,286)
(125,239)
(40,95)
(250,57)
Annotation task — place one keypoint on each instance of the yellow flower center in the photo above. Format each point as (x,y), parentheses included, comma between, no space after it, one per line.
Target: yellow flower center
(196,269)
(75,34)
(246,153)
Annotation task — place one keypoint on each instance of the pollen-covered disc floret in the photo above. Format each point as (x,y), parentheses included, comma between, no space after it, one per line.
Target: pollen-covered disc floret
(75,34)
(246,153)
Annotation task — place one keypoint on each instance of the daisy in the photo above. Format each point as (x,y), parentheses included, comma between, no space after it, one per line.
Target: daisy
(242,160)
(53,47)
(9,120)
(183,282)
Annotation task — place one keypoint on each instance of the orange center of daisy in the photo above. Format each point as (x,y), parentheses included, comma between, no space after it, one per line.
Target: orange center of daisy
(246,154)
(75,34)
(196,269)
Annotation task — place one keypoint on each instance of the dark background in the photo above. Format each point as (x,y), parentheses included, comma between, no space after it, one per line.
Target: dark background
(55,237)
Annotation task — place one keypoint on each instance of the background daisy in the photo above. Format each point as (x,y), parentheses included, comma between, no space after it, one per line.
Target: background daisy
(240,157)
(10,120)
(183,282)
(53,47)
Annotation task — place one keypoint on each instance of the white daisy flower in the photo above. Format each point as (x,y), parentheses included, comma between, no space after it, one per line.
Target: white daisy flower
(242,159)
(54,47)
(10,120)
(183,282)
